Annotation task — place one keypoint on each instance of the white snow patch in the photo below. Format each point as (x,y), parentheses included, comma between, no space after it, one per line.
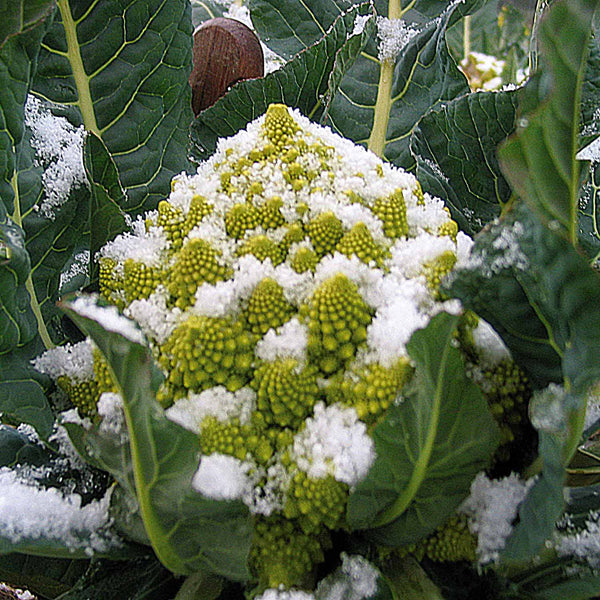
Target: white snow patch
(108,317)
(492,507)
(75,361)
(584,544)
(216,402)
(489,344)
(59,149)
(28,512)
(110,408)
(393,35)
(334,442)
(222,477)
(356,579)
(288,341)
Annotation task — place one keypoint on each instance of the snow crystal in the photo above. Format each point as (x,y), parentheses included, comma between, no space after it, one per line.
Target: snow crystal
(221,477)
(492,507)
(410,256)
(548,410)
(74,361)
(28,512)
(153,316)
(16,593)
(147,247)
(78,266)
(591,152)
(584,544)
(334,442)
(489,344)
(108,317)
(217,402)
(283,594)
(288,341)
(110,408)
(393,35)
(59,149)
(360,21)
(354,580)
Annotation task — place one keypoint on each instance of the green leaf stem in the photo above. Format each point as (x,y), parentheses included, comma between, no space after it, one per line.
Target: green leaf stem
(429,447)
(188,532)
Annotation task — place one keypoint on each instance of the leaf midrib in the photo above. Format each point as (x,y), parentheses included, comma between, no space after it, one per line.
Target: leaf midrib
(420,469)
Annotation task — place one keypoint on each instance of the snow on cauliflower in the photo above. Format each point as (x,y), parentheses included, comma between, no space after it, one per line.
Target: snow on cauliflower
(278,287)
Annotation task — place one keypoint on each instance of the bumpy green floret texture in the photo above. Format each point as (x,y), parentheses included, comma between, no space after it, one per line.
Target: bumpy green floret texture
(316,502)
(392,212)
(83,394)
(140,280)
(286,394)
(337,323)
(259,275)
(204,352)
(267,307)
(452,542)
(370,389)
(282,554)
(197,262)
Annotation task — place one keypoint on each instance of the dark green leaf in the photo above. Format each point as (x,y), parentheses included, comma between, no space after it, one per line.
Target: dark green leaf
(22,390)
(202,10)
(140,579)
(497,287)
(288,27)
(454,146)
(429,448)
(23,15)
(539,160)
(589,214)
(106,217)
(424,76)
(17,323)
(17,448)
(307,82)
(544,502)
(126,67)
(47,577)
(188,532)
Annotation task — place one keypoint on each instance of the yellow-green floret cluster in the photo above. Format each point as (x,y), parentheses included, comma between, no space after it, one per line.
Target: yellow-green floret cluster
(278,288)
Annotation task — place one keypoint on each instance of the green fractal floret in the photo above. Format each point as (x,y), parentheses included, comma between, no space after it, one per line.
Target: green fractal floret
(102,374)
(370,389)
(197,262)
(241,218)
(282,554)
(286,395)
(305,259)
(262,247)
(280,126)
(171,219)
(267,307)
(111,284)
(359,242)
(140,280)
(234,439)
(337,323)
(316,502)
(204,352)
(452,542)
(392,212)
(437,269)
(83,394)
(325,231)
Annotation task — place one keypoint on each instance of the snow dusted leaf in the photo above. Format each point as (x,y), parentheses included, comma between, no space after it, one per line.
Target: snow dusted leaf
(307,82)
(454,146)
(429,448)
(126,68)
(17,448)
(539,159)
(424,76)
(106,217)
(188,532)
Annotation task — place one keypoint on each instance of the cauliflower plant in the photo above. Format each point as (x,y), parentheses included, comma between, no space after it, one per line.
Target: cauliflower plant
(278,287)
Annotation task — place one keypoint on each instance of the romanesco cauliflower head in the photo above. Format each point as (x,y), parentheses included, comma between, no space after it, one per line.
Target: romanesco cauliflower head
(278,288)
